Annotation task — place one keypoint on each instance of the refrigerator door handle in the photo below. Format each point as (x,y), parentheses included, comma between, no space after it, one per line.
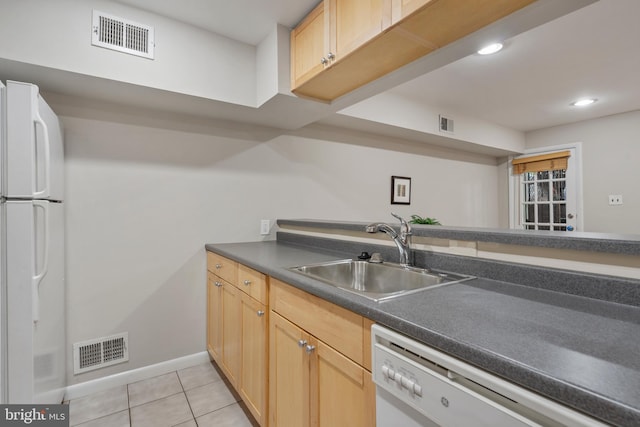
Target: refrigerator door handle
(38,276)
(37,120)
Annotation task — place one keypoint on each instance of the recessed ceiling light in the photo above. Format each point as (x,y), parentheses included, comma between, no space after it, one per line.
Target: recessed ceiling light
(583,102)
(489,49)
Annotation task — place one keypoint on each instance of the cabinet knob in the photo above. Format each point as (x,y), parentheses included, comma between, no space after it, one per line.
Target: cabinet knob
(260,313)
(324,61)
(331,56)
(218,284)
(247,282)
(309,348)
(218,266)
(302,343)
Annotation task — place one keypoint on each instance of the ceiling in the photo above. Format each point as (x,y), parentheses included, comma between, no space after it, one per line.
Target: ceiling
(528,85)
(592,52)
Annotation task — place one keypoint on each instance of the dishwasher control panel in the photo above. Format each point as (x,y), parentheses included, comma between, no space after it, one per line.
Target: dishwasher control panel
(444,391)
(438,397)
(406,381)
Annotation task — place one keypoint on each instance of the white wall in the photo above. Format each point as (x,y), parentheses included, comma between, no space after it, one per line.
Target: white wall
(395,110)
(188,60)
(272,65)
(143,201)
(610,153)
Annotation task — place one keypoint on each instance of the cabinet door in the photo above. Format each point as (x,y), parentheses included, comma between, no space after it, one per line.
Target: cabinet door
(231,345)
(309,42)
(214,317)
(340,328)
(288,374)
(354,22)
(342,392)
(402,8)
(253,369)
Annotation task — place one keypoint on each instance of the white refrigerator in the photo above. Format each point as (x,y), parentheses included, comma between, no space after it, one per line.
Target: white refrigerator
(32,309)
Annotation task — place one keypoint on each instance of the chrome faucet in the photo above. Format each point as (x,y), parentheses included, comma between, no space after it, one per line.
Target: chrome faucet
(403,241)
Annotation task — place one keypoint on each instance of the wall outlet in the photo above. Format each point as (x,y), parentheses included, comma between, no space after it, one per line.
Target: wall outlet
(615,199)
(265,225)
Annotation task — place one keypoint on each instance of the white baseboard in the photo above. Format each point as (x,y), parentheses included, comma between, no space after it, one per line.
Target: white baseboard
(100,384)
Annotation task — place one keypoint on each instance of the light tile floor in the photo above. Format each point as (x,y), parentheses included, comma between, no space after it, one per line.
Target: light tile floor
(191,397)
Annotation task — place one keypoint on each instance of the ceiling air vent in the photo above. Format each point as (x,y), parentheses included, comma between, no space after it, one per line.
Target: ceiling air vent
(100,352)
(446,124)
(122,35)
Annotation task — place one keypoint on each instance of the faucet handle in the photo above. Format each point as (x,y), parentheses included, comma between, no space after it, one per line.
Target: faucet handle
(376,258)
(405,228)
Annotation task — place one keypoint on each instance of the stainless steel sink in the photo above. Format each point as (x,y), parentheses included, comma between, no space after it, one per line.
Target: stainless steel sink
(378,281)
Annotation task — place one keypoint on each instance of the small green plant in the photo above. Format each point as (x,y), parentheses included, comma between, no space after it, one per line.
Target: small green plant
(417,219)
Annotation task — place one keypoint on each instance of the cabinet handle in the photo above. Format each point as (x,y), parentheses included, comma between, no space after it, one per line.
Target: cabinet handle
(218,266)
(302,343)
(260,313)
(324,61)
(309,349)
(247,282)
(331,56)
(218,284)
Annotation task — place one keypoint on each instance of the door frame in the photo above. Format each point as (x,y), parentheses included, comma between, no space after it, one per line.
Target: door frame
(575,163)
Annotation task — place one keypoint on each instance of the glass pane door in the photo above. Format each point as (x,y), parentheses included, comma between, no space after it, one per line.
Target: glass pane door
(548,199)
(544,200)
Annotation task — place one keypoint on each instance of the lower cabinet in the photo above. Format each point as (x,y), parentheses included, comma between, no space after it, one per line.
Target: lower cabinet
(312,383)
(224,326)
(344,393)
(253,360)
(231,329)
(237,330)
(214,317)
(289,372)
(296,360)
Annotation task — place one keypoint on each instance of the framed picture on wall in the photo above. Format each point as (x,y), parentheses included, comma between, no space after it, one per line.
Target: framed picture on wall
(400,190)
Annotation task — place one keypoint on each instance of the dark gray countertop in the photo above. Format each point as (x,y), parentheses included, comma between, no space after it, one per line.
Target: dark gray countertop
(582,352)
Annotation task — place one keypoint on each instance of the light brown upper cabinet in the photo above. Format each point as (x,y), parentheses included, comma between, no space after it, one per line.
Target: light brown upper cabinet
(344,44)
(333,30)
(400,9)
(308,47)
(354,22)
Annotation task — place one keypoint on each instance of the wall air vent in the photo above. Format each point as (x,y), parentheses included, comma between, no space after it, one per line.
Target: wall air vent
(100,352)
(446,124)
(122,35)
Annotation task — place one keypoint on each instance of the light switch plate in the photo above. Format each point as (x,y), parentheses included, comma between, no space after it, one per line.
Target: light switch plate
(265,225)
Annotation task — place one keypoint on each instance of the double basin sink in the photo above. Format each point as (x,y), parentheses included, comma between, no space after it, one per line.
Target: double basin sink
(378,281)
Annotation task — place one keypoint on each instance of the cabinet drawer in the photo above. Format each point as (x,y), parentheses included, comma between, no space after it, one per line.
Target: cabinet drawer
(252,283)
(223,267)
(336,326)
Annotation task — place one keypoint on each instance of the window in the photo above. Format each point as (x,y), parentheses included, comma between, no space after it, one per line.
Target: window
(544,200)
(545,190)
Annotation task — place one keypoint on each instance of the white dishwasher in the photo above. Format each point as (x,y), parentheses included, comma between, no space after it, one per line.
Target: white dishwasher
(418,386)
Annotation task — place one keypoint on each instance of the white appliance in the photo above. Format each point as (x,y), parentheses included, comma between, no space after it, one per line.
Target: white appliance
(32,312)
(418,386)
